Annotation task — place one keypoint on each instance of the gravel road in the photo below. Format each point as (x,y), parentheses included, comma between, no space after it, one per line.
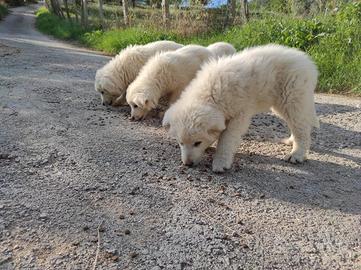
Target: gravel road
(75,174)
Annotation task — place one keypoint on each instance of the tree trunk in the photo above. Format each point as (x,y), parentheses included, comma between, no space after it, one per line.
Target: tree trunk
(85,13)
(101,13)
(133,3)
(233,10)
(55,6)
(125,12)
(165,11)
(246,10)
(67,9)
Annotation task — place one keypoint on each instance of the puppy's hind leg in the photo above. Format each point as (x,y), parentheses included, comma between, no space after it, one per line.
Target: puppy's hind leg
(228,143)
(300,127)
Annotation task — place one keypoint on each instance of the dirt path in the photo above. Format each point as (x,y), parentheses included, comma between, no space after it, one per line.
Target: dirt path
(68,164)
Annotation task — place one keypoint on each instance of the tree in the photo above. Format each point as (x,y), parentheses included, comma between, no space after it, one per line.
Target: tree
(245,9)
(85,13)
(165,11)
(67,9)
(125,12)
(101,13)
(55,7)
(232,9)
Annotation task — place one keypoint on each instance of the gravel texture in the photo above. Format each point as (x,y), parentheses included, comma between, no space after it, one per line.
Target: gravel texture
(75,174)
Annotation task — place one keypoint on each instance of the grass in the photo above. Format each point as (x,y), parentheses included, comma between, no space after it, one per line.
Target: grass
(3,11)
(333,41)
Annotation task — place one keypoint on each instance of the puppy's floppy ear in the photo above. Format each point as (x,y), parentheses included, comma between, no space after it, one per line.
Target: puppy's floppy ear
(149,104)
(143,101)
(218,124)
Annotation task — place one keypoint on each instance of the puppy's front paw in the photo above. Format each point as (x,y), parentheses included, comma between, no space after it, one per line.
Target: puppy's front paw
(221,165)
(295,157)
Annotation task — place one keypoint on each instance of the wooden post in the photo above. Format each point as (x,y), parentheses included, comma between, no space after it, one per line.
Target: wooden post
(165,11)
(125,12)
(101,13)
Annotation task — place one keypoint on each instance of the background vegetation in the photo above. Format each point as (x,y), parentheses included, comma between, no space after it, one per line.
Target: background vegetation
(330,31)
(3,10)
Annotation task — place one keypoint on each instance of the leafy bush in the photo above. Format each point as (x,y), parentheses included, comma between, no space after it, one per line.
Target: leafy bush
(48,23)
(3,11)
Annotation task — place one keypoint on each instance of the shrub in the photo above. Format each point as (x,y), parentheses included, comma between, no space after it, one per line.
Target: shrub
(3,11)
(48,23)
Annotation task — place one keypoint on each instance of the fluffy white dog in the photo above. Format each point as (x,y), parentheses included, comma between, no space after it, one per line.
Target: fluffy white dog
(165,74)
(112,80)
(220,49)
(219,103)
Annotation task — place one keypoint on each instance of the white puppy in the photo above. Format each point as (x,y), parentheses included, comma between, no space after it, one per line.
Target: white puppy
(112,80)
(165,74)
(220,49)
(219,103)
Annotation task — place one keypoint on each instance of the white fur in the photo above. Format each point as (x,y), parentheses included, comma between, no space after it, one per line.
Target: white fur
(219,103)
(112,80)
(165,74)
(220,49)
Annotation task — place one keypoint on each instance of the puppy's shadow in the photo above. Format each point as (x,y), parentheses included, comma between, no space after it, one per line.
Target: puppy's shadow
(314,183)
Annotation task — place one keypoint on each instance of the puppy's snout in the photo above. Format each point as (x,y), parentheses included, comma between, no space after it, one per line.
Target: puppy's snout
(132,118)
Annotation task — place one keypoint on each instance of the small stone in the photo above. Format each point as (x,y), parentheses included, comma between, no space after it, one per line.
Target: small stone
(85,228)
(111,251)
(2,206)
(127,231)
(133,255)
(262,196)
(43,215)
(240,222)
(247,231)
(121,217)
(115,258)
(235,234)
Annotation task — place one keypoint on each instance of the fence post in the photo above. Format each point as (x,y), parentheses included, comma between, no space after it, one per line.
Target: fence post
(125,12)
(85,13)
(101,13)
(165,11)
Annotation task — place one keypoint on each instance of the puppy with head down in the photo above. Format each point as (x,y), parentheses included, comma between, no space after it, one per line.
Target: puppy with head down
(165,74)
(219,103)
(220,49)
(112,80)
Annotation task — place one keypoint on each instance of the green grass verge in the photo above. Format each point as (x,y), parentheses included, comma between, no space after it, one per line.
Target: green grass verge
(333,41)
(3,11)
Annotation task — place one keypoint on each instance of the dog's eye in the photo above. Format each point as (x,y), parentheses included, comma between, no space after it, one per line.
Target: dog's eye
(102,92)
(135,106)
(197,144)
(181,143)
